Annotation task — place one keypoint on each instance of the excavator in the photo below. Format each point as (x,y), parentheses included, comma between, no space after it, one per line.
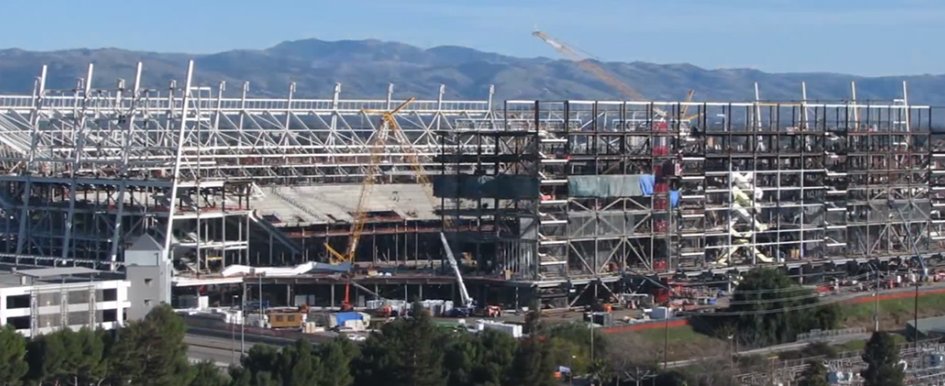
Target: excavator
(390,130)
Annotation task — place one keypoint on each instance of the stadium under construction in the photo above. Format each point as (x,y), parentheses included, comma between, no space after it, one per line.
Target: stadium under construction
(566,201)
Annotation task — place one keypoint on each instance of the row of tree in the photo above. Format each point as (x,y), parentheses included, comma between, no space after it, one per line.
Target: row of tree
(767,308)
(146,352)
(412,351)
(415,352)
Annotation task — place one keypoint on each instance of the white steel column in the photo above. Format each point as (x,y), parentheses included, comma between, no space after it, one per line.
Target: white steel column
(185,112)
(78,133)
(39,91)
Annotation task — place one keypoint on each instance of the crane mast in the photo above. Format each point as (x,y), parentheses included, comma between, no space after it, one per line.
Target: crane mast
(390,129)
(388,124)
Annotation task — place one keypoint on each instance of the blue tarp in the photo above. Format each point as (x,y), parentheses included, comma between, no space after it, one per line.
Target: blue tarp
(674,198)
(343,317)
(621,185)
(646,184)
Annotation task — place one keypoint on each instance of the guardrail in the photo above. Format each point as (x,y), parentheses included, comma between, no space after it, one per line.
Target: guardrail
(813,335)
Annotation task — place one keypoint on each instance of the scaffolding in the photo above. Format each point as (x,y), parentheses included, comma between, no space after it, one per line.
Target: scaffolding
(86,170)
(626,191)
(564,196)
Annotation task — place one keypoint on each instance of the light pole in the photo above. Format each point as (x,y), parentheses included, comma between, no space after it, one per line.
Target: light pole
(233,336)
(875,298)
(571,372)
(243,320)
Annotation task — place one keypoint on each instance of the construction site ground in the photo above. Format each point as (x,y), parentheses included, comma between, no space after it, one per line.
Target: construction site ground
(683,343)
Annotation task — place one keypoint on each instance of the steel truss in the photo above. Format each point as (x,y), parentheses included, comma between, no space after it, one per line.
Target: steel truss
(88,169)
(826,182)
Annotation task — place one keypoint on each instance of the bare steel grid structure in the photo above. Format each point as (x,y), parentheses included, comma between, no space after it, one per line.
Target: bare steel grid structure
(641,187)
(568,197)
(87,169)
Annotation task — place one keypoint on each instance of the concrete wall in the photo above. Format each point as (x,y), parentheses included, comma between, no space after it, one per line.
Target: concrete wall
(150,286)
(149,275)
(49,316)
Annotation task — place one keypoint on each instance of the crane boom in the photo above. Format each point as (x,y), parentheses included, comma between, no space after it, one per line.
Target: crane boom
(589,66)
(413,158)
(388,125)
(605,76)
(390,129)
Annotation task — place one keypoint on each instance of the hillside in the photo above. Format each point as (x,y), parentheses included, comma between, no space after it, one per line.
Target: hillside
(366,67)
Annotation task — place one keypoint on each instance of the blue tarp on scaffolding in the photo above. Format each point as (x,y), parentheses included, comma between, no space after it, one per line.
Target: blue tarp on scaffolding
(646,184)
(625,185)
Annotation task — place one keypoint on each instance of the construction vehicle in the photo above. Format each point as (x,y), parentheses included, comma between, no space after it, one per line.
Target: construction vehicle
(468,305)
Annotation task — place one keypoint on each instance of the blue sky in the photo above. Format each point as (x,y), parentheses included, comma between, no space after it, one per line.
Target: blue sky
(864,37)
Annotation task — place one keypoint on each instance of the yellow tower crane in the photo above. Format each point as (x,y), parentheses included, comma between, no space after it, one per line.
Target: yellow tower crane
(389,129)
(376,147)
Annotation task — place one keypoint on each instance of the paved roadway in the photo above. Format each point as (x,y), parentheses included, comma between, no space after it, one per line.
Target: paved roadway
(219,342)
(222,352)
(222,346)
(834,340)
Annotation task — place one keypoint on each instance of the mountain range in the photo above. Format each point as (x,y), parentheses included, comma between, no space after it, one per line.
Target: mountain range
(366,67)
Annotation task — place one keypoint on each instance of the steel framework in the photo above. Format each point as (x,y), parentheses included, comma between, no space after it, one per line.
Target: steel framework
(744,183)
(747,183)
(87,169)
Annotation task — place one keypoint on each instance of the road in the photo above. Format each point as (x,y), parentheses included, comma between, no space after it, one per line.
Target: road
(833,340)
(218,342)
(222,352)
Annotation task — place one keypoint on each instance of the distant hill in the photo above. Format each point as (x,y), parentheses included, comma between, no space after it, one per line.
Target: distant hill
(365,68)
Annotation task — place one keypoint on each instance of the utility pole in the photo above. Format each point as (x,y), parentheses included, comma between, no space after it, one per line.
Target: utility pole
(666,338)
(243,320)
(875,298)
(915,330)
(233,338)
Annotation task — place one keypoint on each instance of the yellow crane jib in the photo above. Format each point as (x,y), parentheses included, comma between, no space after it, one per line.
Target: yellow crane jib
(388,125)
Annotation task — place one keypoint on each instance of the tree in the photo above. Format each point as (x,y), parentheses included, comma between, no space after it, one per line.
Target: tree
(404,352)
(533,317)
(770,308)
(258,367)
(882,359)
(298,366)
(671,378)
(460,357)
(814,375)
(13,365)
(496,352)
(207,374)
(533,363)
(68,357)
(337,356)
(152,351)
